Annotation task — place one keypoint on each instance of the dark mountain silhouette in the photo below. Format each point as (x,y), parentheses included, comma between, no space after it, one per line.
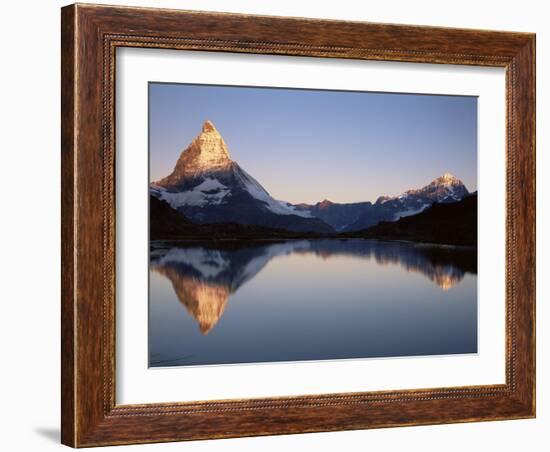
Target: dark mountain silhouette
(446,223)
(167,223)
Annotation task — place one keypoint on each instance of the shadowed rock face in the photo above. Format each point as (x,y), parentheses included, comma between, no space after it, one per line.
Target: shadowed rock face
(204,278)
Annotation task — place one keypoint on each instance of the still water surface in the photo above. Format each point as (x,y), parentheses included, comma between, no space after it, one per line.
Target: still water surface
(309,300)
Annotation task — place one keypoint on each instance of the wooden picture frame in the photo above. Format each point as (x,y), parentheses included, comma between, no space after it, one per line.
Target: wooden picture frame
(90,35)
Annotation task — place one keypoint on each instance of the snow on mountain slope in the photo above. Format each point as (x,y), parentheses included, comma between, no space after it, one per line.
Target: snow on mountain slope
(257,191)
(444,189)
(208,192)
(410,212)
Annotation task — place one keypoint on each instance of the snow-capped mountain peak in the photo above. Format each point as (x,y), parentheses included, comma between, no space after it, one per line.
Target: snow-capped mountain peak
(445,188)
(208,187)
(447,180)
(211,144)
(208,149)
(207,153)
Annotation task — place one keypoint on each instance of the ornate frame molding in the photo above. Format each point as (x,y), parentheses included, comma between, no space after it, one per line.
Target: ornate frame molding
(90,37)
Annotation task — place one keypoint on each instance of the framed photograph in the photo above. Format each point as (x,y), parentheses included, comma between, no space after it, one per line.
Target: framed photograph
(281,225)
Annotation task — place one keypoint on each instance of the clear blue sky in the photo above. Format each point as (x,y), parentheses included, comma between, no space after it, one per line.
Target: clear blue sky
(310,145)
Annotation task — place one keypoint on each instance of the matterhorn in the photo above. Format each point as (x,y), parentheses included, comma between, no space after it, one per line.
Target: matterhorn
(207,186)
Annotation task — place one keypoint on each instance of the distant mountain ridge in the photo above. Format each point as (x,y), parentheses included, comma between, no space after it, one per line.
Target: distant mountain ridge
(207,186)
(361,215)
(339,215)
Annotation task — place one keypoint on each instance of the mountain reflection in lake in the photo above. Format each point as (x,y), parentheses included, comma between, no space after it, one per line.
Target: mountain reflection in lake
(309,300)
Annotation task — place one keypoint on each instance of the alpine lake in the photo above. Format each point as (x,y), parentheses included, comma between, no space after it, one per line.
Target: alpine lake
(301,300)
